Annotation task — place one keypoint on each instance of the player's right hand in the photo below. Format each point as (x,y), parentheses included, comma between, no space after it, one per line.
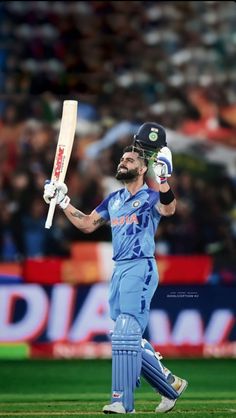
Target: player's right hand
(58,190)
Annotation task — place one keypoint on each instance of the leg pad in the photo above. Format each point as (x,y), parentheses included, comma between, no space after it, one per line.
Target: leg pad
(126,360)
(152,371)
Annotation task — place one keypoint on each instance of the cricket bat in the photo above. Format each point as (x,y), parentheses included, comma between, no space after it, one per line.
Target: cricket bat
(63,150)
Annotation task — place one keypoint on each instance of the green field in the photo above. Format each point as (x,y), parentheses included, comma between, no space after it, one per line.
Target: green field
(76,388)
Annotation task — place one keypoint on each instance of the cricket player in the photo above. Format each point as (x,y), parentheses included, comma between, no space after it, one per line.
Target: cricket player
(134,213)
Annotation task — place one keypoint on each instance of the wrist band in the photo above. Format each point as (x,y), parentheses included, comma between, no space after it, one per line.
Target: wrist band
(167,197)
(163,180)
(65,202)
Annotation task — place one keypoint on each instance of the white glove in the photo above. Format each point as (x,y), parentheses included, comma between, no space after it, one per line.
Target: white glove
(163,166)
(58,190)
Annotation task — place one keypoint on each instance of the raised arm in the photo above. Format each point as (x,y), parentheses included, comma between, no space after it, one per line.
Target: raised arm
(86,223)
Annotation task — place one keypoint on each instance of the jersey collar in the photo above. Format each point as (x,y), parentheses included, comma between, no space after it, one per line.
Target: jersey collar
(127,194)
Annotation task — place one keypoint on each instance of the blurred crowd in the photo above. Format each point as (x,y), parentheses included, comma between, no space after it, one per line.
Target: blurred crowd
(126,63)
(205,220)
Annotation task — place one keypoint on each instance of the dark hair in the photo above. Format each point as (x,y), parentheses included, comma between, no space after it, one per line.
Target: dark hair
(139,151)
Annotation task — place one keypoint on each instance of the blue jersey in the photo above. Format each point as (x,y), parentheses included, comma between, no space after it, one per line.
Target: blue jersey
(134,220)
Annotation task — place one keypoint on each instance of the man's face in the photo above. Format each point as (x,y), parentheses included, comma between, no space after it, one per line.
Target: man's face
(130,167)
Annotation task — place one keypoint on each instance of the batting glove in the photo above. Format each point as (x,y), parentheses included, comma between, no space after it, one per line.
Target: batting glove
(163,167)
(56,189)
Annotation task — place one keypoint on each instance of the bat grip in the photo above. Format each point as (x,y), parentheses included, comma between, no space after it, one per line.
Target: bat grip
(51,211)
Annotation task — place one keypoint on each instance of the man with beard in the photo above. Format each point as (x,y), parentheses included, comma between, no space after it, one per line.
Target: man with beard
(134,213)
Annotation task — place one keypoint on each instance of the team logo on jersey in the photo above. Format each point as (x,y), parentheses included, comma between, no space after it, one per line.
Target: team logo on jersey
(136,204)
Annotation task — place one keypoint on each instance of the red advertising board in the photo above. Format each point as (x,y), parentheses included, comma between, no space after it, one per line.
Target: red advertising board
(92,263)
(43,270)
(177,269)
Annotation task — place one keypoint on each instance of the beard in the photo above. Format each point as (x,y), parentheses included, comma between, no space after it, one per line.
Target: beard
(128,175)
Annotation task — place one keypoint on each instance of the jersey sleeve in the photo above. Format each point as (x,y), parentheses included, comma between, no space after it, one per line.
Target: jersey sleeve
(102,209)
(154,198)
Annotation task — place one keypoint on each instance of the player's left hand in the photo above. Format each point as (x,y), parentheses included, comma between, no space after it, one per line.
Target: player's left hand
(163,166)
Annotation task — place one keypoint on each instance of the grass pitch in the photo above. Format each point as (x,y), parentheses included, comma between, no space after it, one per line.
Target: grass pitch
(77,388)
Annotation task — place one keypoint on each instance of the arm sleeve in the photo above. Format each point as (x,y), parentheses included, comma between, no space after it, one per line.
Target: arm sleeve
(102,209)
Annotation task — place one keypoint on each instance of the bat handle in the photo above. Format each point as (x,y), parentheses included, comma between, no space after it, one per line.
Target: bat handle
(51,211)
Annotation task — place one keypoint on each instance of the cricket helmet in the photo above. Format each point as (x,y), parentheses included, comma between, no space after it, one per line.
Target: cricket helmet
(150,137)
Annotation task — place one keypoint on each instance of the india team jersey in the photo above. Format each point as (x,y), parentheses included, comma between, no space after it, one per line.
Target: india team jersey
(134,220)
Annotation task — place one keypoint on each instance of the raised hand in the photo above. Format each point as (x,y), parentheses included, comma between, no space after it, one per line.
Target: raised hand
(56,189)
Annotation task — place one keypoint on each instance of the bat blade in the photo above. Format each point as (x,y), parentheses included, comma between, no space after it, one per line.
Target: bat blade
(63,150)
